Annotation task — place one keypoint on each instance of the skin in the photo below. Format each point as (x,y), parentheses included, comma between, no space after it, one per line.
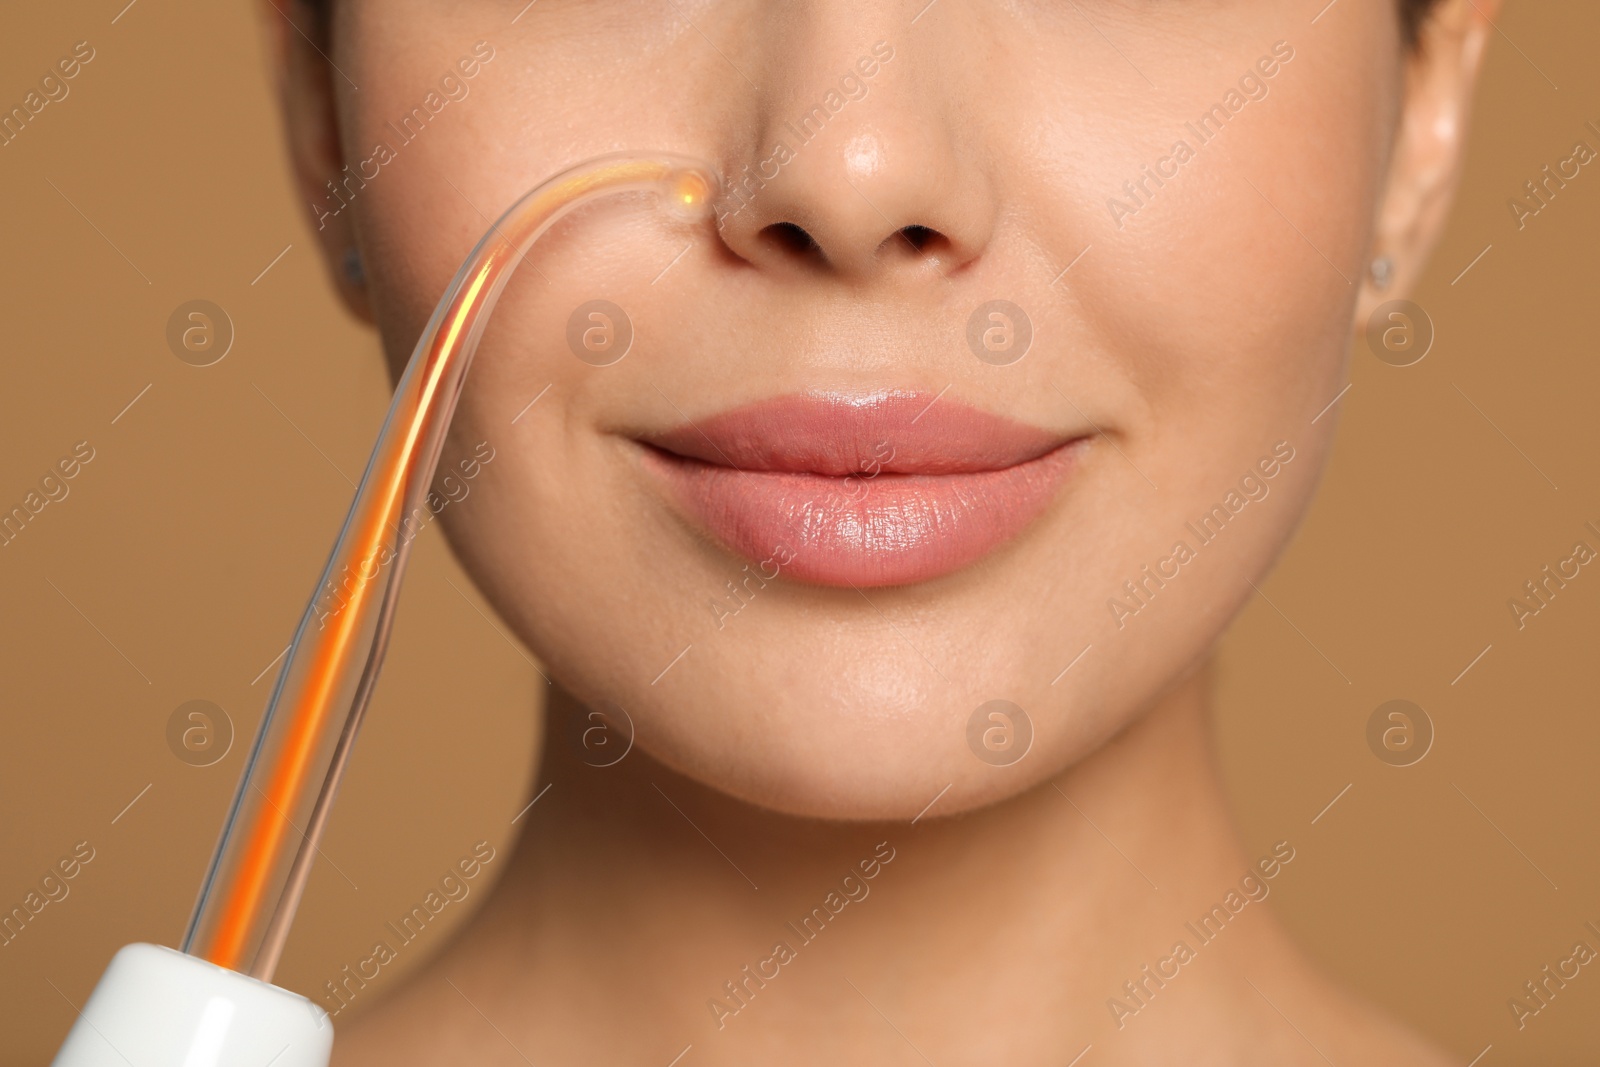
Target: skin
(1211,325)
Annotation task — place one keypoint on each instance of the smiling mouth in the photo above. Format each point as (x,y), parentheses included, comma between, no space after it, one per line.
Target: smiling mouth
(890,488)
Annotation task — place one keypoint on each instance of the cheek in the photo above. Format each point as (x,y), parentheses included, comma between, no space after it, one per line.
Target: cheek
(1232,282)
(539,105)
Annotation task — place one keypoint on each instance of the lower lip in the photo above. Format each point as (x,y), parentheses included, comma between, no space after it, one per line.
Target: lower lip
(892,529)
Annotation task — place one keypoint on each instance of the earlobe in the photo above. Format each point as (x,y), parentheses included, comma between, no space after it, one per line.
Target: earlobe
(1429,147)
(306,96)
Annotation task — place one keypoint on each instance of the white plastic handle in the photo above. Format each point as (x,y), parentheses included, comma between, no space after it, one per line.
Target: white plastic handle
(155,1007)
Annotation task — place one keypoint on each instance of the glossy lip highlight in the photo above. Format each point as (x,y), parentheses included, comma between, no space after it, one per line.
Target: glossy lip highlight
(888,488)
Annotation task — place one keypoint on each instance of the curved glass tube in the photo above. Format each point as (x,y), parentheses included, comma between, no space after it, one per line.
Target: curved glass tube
(269,840)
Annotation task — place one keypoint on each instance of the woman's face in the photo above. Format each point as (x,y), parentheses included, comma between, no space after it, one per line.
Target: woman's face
(834,500)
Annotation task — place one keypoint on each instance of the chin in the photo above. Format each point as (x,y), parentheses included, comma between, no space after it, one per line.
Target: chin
(838,772)
(851,743)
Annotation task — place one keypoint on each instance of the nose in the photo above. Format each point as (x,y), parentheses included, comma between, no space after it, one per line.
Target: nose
(856,169)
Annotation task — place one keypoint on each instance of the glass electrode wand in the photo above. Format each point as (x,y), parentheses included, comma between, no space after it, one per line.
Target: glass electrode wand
(156,1007)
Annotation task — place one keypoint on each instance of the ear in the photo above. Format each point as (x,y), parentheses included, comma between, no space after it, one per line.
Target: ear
(298,36)
(1425,166)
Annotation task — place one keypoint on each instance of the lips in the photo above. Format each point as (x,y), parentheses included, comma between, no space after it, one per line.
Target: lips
(884,489)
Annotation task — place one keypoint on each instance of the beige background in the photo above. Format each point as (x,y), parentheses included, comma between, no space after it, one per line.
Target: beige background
(182,556)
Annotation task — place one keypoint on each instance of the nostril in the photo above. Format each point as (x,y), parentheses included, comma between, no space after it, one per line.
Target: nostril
(793,242)
(921,241)
(791,238)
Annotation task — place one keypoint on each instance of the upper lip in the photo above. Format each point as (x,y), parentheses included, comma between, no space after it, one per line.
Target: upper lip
(894,431)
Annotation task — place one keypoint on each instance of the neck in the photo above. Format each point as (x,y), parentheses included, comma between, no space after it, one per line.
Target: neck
(636,895)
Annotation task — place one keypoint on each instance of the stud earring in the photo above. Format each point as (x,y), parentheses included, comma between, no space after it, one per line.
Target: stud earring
(354,272)
(1382,272)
